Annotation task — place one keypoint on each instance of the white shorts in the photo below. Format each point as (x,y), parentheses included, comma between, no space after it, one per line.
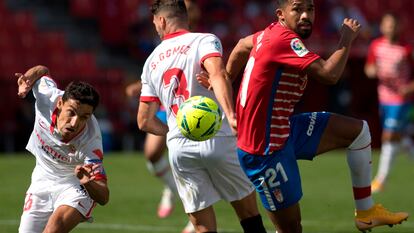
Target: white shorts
(206,172)
(39,206)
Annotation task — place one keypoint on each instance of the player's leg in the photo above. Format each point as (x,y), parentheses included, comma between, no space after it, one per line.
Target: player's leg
(194,185)
(287,220)
(159,166)
(353,134)
(230,182)
(36,212)
(277,181)
(393,121)
(204,220)
(248,213)
(72,205)
(63,220)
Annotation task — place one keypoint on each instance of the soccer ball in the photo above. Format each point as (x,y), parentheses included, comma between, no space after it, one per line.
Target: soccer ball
(199,118)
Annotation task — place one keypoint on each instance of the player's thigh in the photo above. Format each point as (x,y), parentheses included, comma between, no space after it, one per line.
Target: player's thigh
(193,181)
(219,156)
(276,177)
(340,132)
(306,133)
(36,212)
(154,147)
(75,195)
(63,219)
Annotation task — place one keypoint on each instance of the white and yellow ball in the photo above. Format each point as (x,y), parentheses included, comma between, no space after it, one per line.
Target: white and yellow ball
(199,118)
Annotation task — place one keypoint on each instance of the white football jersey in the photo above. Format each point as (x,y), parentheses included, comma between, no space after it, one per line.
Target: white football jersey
(169,74)
(56,159)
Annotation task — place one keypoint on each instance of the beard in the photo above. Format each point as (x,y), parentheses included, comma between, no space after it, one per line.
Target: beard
(304,33)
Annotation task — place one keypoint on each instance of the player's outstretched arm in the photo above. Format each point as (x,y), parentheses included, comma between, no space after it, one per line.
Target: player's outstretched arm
(330,71)
(222,88)
(25,81)
(239,56)
(97,189)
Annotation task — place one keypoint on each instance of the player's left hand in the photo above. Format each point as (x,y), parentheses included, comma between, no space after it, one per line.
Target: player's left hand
(87,172)
(203,80)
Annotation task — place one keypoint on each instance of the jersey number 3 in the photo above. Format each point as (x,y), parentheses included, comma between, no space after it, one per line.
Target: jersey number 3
(180,92)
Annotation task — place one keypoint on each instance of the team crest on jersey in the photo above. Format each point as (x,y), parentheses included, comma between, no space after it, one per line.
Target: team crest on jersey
(298,47)
(217,45)
(278,195)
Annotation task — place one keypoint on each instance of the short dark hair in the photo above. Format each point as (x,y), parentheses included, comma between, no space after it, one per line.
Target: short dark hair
(175,8)
(82,92)
(281,3)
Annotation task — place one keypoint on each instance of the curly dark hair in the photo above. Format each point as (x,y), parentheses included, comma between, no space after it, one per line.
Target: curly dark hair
(175,8)
(82,92)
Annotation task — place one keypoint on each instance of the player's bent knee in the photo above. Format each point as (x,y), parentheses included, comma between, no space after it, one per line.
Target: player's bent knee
(363,139)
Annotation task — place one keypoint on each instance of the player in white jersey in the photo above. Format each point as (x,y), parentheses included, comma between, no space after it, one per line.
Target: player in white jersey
(66,140)
(204,172)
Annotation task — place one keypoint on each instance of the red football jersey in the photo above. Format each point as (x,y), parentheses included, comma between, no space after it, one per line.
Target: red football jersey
(273,82)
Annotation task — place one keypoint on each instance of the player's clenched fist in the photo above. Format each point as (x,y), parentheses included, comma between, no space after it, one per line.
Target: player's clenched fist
(350,28)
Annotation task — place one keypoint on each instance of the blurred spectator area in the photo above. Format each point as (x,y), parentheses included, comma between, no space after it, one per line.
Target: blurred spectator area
(105,42)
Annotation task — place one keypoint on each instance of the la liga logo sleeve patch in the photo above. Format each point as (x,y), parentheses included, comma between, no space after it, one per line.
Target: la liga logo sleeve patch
(298,47)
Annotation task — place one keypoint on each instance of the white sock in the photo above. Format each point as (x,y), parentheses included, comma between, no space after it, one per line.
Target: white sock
(360,163)
(162,170)
(388,151)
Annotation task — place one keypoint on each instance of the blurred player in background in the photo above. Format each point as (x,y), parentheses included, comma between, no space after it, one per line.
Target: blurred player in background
(158,165)
(271,139)
(208,171)
(390,60)
(66,140)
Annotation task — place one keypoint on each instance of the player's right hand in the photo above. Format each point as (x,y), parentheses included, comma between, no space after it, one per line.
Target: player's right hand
(203,80)
(233,123)
(24,84)
(350,28)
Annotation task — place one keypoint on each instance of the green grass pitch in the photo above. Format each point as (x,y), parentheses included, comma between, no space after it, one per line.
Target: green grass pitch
(327,205)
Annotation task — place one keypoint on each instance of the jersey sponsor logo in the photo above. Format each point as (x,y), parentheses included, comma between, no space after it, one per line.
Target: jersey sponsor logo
(42,124)
(50,151)
(298,47)
(312,123)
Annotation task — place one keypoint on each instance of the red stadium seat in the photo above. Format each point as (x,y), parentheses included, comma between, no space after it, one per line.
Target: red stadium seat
(84,9)
(84,65)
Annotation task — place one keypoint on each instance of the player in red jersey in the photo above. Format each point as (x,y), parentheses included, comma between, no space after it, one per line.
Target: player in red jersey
(390,59)
(271,139)
(207,171)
